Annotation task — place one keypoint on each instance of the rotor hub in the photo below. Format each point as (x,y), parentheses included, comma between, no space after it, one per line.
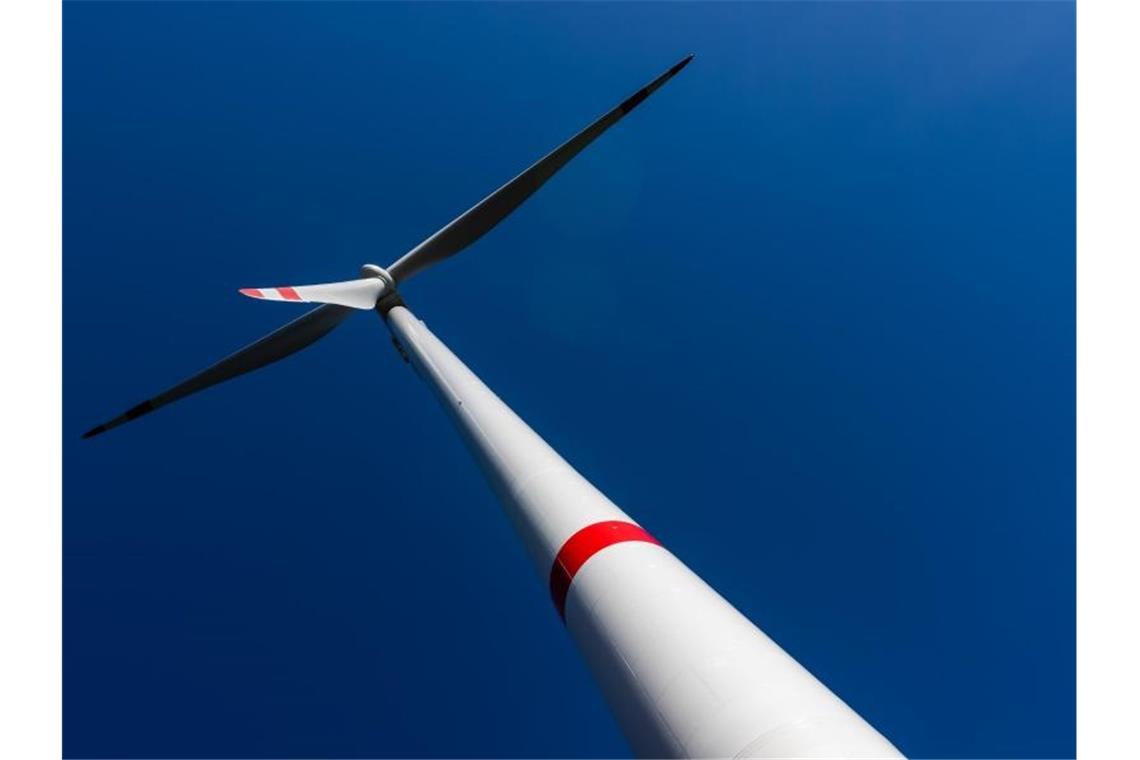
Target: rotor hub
(371,270)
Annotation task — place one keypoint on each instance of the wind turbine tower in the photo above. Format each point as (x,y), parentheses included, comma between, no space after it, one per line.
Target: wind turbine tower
(684,672)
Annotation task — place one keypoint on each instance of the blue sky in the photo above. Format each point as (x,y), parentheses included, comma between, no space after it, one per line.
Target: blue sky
(808,314)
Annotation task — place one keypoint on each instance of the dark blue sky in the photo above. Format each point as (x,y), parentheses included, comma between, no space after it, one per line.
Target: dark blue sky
(808,315)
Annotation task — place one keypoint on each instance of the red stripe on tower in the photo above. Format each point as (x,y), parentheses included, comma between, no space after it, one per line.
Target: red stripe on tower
(585,544)
(289,294)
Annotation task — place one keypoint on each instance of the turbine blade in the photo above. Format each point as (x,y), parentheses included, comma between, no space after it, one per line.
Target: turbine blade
(276,345)
(472,225)
(356,294)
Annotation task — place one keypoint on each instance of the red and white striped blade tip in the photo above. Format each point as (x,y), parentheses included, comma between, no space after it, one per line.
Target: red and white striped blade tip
(272,294)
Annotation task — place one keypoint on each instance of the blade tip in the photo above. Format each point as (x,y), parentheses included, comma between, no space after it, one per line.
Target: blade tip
(95,431)
(251,292)
(676,67)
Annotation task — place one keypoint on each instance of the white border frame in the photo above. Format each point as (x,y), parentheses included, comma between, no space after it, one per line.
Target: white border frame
(1108,465)
(31,458)
(1108,378)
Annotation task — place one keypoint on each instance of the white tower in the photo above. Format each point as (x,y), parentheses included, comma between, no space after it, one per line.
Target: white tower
(684,672)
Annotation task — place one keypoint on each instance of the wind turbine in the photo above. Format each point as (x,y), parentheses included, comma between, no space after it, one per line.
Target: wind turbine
(684,672)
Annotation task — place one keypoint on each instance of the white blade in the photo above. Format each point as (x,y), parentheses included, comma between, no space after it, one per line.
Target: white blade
(280,343)
(356,294)
(478,220)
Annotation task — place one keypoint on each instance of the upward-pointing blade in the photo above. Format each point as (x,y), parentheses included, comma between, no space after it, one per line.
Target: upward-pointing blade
(477,221)
(276,345)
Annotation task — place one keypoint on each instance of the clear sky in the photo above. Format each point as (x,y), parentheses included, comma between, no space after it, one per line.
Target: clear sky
(807,314)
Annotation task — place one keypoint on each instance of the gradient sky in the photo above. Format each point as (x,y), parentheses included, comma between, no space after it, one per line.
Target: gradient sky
(807,314)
